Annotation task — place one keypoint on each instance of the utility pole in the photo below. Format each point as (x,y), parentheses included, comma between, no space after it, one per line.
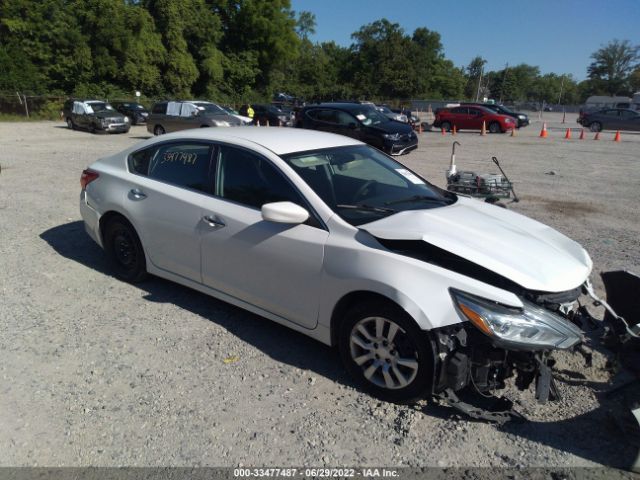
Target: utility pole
(479,82)
(561,87)
(504,77)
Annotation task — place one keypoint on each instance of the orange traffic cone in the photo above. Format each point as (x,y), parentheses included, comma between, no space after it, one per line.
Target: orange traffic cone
(419,127)
(597,136)
(483,132)
(617,137)
(442,131)
(513,132)
(453,132)
(582,134)
(257,124)
(543,132)
(567,135)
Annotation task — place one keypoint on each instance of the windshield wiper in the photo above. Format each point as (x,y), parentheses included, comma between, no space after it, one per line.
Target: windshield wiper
(416,198)
(367,208)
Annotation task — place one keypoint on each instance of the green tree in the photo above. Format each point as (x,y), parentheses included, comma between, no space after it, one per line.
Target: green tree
(305,24)
(45,34)
(429,64)
(612,64)
(264,29)
(474,71)
(179,71)
(382,65)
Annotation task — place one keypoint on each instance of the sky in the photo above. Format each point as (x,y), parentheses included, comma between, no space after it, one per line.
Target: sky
(558,36)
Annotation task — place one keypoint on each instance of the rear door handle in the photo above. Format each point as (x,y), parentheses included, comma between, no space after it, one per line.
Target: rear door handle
(213,222)
(138,194)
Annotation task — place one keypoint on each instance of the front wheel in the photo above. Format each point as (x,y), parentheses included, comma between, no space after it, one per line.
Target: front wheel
(595,127)
(494,127)
(158,130)
(385,351)
(70,124)
(124,251)
(446,126)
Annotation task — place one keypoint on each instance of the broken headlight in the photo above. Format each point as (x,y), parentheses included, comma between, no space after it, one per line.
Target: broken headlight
(528,328)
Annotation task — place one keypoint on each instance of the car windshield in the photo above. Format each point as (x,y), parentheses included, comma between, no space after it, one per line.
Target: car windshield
(368,115)
(503,109)
(210,108)
(99,106)
(362,184)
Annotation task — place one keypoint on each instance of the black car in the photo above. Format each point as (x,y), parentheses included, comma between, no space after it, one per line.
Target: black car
(269,114)
(521,118)
(95,116)
(360,121)
(136,112)
(611,119)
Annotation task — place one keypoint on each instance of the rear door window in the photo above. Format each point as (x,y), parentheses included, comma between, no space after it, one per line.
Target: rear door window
(186,164)
(160,108)
(460,110)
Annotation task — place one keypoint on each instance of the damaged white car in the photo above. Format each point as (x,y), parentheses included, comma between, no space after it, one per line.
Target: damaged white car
(423,291)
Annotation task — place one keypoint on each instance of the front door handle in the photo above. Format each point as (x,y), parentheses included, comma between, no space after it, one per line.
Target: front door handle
(213,222)
(138,194)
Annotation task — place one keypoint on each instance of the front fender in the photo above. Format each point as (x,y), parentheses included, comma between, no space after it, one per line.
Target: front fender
(420,288)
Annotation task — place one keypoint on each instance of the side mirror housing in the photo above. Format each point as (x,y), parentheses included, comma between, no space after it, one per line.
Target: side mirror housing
(284,212)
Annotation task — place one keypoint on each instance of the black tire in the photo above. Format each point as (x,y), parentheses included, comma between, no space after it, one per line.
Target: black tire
(409,345)
(494,127)
(595,127)
(124,250)
(446,126)
(158,130)
(70,124)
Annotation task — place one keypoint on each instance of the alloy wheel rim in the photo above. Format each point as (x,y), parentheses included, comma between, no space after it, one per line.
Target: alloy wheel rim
(384,352)
(124,250)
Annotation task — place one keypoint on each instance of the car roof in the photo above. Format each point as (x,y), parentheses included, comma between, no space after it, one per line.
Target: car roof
(280,141)
(343,105)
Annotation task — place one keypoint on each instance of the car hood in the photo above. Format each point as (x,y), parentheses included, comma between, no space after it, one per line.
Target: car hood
(108,114)
(223,117)
(527,252)
(392,126)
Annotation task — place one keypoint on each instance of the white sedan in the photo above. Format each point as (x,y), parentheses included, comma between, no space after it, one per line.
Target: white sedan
(423,291)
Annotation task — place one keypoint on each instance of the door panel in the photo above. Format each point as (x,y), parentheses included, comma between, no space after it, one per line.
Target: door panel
(165,200)
(273,266)
(169,222)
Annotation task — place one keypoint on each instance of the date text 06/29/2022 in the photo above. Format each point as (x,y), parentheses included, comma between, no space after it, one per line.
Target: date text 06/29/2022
(315,472)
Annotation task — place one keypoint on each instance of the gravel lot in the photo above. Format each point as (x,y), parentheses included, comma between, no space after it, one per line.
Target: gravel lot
(99,372)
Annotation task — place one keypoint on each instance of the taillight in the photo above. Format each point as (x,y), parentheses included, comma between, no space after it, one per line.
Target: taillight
(87,177)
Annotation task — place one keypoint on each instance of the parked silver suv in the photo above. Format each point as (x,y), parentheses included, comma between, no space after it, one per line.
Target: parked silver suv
(171,116)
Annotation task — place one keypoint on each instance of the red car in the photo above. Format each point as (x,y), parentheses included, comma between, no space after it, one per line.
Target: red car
(471,118)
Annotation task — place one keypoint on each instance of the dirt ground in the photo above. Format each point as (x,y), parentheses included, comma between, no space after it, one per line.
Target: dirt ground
(99,372)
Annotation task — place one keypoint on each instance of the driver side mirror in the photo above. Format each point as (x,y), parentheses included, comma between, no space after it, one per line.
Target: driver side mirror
(284,212)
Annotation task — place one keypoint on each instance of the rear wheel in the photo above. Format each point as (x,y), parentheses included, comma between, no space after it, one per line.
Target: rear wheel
(494,127)
(446,126)
(124,251)
(158,130)
(70,124)
(385,351)
(595,127)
